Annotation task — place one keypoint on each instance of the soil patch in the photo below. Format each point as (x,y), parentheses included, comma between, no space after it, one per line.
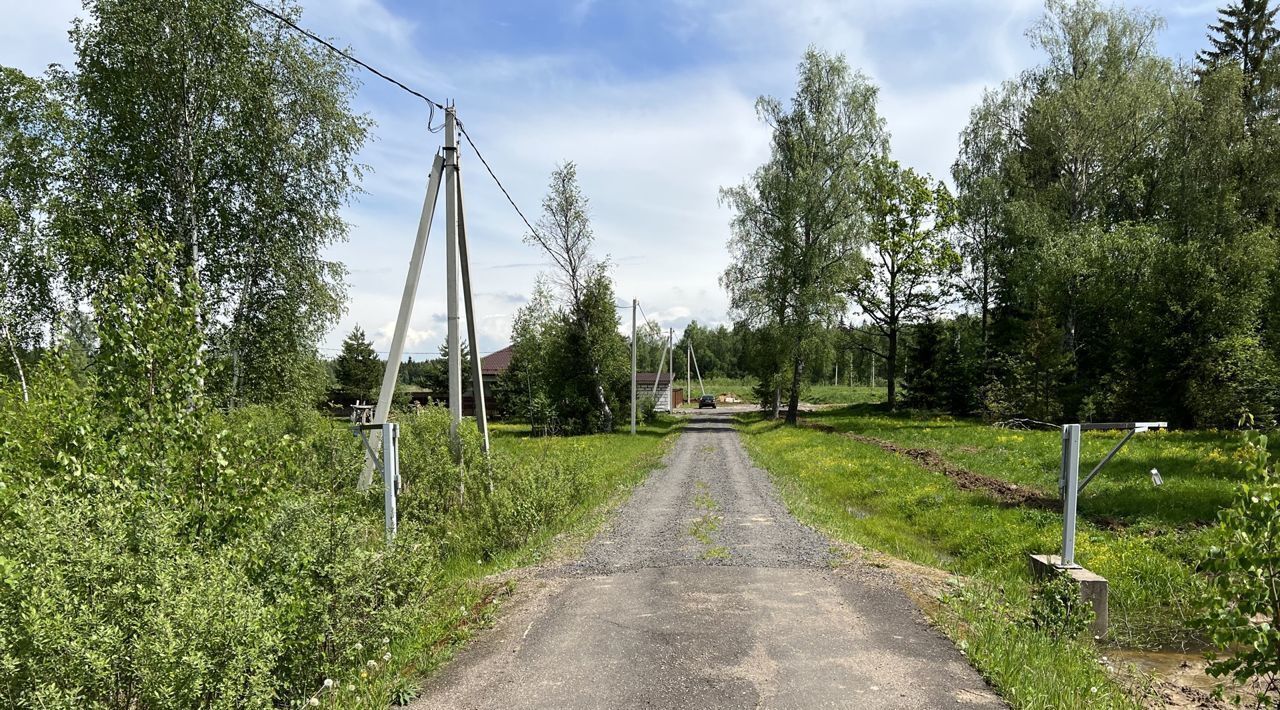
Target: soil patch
(966,480)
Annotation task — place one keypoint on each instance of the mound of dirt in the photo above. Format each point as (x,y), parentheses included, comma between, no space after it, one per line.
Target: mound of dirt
(966,480)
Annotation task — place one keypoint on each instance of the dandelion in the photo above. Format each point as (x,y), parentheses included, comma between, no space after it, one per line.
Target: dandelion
(351,687)
(385,640)
(328,682)
(372,663)
(314,702)
(386,656)
(359,646)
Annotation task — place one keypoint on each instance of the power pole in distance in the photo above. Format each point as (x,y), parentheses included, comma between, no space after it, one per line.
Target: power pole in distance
(634,304)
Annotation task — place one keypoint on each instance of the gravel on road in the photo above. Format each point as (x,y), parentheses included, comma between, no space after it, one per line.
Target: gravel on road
(704,592)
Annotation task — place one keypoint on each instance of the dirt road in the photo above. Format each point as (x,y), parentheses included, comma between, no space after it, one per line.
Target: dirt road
(705,593)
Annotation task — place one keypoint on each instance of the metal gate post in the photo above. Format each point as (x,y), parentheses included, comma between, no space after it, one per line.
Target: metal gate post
(1069,482)
(390,475)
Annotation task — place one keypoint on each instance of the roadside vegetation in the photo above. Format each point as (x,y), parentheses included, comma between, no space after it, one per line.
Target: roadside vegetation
(744,389)
(889,491)
(156,551)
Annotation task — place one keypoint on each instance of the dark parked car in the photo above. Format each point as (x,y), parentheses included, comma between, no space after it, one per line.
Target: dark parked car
(707,400)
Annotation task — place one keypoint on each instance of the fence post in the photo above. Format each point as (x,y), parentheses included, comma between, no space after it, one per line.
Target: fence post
(390,475)
(1069,481)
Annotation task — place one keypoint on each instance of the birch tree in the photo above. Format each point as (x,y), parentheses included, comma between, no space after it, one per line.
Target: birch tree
(909,257)
(797,228)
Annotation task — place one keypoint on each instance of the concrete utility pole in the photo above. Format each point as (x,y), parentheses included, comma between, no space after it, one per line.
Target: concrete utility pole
(671,354)
(477,377)
(688,367)
(451,257)
(391,374)
(873,370)
(634,304)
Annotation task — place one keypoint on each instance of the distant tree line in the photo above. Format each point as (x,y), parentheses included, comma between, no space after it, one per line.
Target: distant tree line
(1110,249)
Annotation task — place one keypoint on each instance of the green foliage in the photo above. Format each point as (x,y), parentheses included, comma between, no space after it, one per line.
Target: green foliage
(1117,222)
(647,408)
(203,123)
(1246,36)
(433,375)
(795,233)
(156,552)
(570,353)
(1057,609)
(568,371)
(944,365)
(718,350)
(358,369)
(1242,600)
(902,279)
(1031,668)
(33,126)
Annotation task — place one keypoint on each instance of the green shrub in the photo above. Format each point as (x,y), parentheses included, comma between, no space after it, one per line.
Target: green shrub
(1242,600)
(1057,609)
(157,553)
(648,409)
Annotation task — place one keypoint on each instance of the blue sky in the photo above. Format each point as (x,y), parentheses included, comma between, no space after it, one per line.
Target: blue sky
(652,98)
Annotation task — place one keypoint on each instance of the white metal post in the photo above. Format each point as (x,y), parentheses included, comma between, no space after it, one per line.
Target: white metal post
(451,304)
(688,367)
(1069,481)
(634,304)
(391,373)
(390,475)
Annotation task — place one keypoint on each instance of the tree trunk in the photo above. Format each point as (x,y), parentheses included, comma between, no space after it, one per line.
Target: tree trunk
(777,400)
(17,361)
(793,402)
(892,366)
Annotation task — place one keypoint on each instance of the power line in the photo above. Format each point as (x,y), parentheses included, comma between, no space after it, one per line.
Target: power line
(463,130)
(432,103)
(345,55)
(652,327)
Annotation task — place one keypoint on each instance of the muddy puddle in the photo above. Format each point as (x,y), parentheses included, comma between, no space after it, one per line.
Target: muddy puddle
(1174,666)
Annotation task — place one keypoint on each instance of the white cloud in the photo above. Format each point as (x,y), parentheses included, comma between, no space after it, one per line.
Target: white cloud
(654,137)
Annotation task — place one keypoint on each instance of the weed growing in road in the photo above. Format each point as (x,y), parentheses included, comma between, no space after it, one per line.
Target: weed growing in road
(704,527)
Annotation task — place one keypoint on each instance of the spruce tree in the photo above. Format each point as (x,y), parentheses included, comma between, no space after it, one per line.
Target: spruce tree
(357,368)
(1246,36)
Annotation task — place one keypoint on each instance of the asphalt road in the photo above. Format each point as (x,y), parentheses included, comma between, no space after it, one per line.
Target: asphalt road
(704,592)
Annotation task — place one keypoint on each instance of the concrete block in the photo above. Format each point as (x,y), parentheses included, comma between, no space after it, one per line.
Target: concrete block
(1093,587)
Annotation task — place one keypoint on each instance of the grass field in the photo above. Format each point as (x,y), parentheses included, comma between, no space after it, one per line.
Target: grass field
(1145,540)
(813,394)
